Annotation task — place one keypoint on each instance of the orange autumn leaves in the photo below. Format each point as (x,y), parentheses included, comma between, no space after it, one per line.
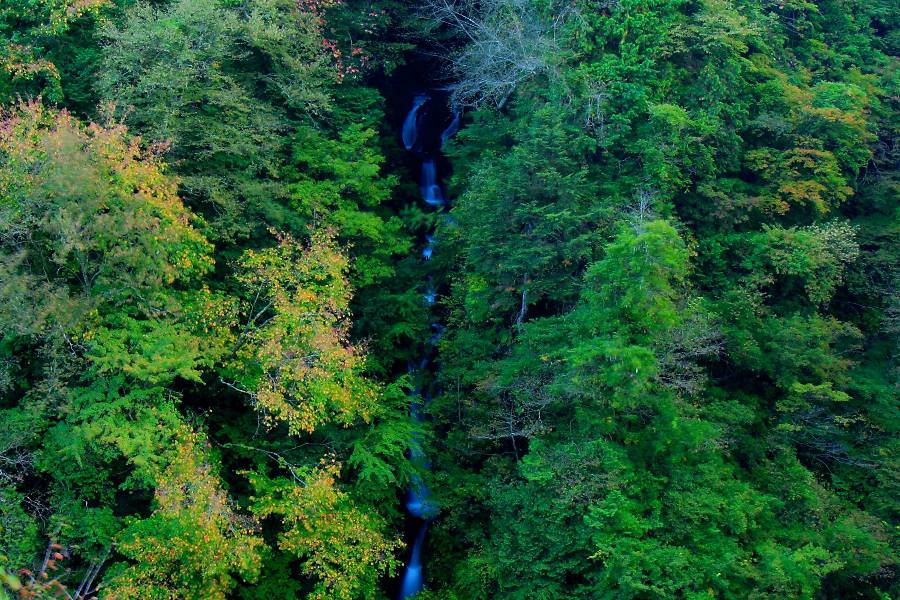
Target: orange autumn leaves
(194,542)
(295,357)
(341,544)
(96,206)
(109,219)
(23,61)
(91,219)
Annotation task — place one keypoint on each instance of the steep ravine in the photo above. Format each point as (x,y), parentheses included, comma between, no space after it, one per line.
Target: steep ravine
(420,136)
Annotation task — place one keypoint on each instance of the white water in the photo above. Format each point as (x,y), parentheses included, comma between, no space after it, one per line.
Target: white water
(411,126)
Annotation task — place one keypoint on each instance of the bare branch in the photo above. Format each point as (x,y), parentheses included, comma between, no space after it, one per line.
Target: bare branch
(508,43)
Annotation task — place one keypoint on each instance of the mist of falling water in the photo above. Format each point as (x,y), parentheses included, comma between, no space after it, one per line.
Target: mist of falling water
(411,123)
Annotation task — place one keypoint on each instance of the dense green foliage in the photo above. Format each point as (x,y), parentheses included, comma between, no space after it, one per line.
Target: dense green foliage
(670,280)
(671,365)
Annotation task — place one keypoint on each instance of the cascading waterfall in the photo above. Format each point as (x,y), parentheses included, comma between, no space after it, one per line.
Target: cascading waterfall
(412,578)
(452,128)
(430,294)
(411,125)
(418,499)
(428,250)
(431,191)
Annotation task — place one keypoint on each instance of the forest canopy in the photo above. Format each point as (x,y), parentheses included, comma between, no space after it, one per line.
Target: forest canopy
(449,299)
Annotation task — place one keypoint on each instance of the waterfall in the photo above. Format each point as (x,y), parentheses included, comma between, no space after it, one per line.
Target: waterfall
(419,504)
(431,191)
(411,125)
(430,294)
(438,329)
(418,500)
(413,581)
(452,128)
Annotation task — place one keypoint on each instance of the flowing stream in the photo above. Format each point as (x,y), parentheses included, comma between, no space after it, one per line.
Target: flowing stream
(419,504)
(410,131)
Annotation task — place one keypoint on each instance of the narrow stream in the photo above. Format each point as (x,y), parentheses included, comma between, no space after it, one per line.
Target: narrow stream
(419,504)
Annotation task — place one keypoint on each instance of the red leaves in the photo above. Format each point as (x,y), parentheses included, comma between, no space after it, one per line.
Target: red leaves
(318,8)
